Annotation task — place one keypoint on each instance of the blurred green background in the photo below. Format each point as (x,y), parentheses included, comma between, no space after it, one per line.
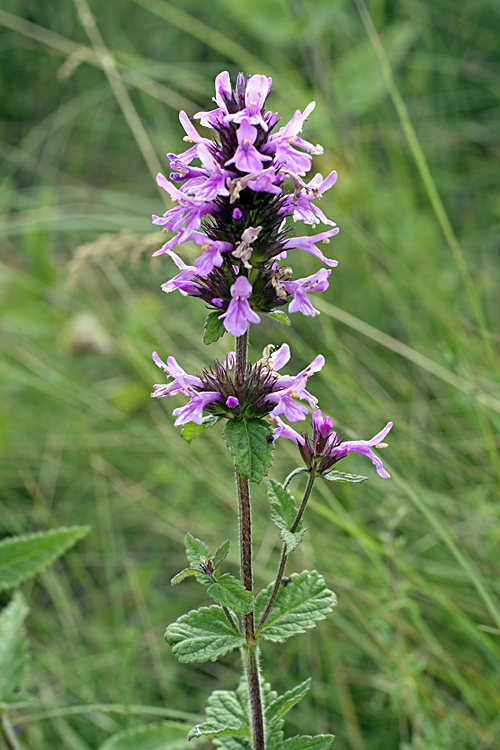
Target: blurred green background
(407,111)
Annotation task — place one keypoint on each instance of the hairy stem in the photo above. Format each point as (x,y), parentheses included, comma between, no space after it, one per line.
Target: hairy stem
(284,556)
(250,656)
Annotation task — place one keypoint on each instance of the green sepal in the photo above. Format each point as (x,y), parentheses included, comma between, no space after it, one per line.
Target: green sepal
(280,317)
(186,573)
(220,555)
(191,430)
(278,708)
(340,476)
(195,550)
(303,602)
(283,513)
(214,328)
(305,742)
(248,442)
(13,647)
(23,556)
(202,635)
(229,592)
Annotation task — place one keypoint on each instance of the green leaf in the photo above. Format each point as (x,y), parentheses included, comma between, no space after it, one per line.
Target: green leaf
(220,555)
(280,317)
(186,573)
(299,606)
(195,549)
(278,708)
(214,328)
(247,441)
(23,556)
(201,635)
(305,742)
(340,476)
(13,647)
(283,513)
(228,708)
(230,593)
(147,738)
(215,729)
(191,430)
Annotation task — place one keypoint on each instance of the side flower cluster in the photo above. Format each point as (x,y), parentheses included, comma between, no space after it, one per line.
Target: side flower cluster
(259,392)
(236,203)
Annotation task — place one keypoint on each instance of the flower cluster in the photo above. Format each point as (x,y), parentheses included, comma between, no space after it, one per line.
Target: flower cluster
(260,391)
(235,205)
(326,447)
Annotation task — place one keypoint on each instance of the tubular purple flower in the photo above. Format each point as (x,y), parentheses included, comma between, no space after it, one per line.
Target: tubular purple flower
(288,390)
(182,383)
(246,157)
(193,410)
(364,447)
(283,430)
(318,282)
(239,314)
(307,244)
(257,91)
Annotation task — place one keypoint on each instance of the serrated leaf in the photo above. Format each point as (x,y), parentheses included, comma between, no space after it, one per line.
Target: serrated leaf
(195,548)
(227,707)
(202,635)
(23,556)
(230,593)
(221,554)
(247,441)
(283,509)
(278,708)
(13,647)
(215,729)
(147,738)
(305,742)
(292,540)
(280,317)
(303,602)
(186,573)
(191,430)
(340,476)
(214,328)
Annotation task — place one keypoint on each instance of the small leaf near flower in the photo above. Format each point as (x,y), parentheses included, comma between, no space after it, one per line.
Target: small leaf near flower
(280,317)
(340,476)
(214,328)
(229,592)
(185,574)
(191,430)
(196,552)
(220,555)
(247,441)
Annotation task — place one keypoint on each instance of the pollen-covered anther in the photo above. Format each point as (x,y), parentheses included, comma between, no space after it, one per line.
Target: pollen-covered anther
(381,445)
(165,230)
(188,139)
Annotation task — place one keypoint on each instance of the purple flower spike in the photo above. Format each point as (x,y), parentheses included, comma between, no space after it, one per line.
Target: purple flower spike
(239,314)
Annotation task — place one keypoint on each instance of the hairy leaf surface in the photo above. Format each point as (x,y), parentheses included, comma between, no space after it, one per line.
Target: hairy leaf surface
(13,647)
(248,442)
(23,556)
(195,549)
(285,702)
(230,593)
(202,635)
(214,328)
(305,742)
(299,606)
(341,476)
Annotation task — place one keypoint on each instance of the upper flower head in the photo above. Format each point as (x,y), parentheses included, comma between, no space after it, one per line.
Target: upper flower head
(239,202)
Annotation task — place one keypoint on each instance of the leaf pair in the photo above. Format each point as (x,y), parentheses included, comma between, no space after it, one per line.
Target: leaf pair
(205,634)
(229,722)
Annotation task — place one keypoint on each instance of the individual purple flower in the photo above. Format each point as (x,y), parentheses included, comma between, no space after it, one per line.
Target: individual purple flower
(281,143)
(182,383)
(193,410)
(256,93)
(303,208)
(288,390)
(307,244)
(232,402)
(284,430)
(246,157)
(213,253)
(184,280)
(318,282)
(239,314)
(364,447)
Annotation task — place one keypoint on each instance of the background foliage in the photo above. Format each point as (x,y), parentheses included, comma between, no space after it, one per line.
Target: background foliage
(409,329)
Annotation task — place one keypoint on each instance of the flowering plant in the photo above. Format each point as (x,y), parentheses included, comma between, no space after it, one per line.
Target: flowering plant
(239,206)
